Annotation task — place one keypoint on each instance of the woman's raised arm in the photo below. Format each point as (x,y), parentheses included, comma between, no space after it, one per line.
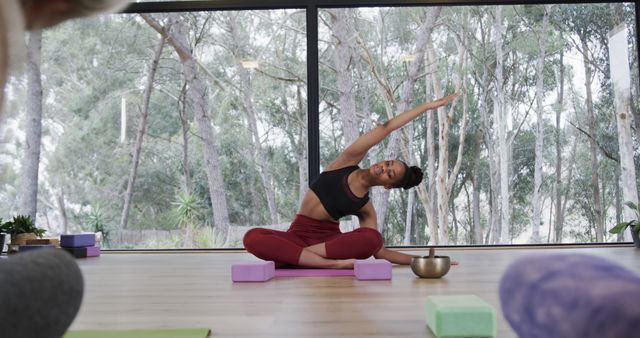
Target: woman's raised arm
(359,148)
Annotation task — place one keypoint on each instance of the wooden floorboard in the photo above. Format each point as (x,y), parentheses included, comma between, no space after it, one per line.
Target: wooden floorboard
(169,290)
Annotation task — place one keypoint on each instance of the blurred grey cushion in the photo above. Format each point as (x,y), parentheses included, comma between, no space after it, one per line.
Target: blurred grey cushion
(40,294)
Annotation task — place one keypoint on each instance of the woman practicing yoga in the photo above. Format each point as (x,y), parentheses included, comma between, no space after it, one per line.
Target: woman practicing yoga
(314,238)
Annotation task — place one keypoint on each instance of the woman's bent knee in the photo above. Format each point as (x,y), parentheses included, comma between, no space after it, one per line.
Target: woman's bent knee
(372,242)
(252,238)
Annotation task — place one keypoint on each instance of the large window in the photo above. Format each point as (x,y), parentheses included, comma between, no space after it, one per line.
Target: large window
(179,140)
(186,129)
(528,154)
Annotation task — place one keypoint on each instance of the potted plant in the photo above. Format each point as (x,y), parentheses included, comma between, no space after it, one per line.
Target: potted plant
(21,229)
(633,225)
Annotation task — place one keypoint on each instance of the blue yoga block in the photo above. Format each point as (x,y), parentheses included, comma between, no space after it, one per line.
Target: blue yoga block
(77,240)
(571,295)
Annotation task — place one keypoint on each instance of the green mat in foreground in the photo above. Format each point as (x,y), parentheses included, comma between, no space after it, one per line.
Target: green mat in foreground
(155,333)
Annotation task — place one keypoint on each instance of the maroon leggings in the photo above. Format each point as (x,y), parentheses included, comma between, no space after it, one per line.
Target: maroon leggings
(286,246)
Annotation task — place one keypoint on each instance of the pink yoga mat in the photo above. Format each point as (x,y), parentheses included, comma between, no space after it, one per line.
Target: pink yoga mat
(313,272)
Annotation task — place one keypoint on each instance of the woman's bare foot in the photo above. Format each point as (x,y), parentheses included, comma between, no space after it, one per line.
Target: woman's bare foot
(344,264)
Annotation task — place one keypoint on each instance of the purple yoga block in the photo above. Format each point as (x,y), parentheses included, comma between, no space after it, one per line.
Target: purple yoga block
(83,252)
(372,269)
(93,251)
(25,248)
(77,240)
(253,272)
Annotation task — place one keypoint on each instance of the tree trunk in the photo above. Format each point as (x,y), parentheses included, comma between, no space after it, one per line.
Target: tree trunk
(591,117)
(618,203)
(617,15)
(621,80)
(444,180)
(343,34)
(381,196)
(443,165)
(559,108)
(431,208)
(63,212)
(142,126)
(260,159)
(537,176)
(430,200)
(33,137)
(176,35)
(409,218)
(454,220)
(489,140)
(477,230)
(502,124)
(411,198)
(123,120)
(303,157)
(574,148)
(184,123)
(256,148)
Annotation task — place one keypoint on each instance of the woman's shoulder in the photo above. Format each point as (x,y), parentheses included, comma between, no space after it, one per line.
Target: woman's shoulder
(343,168)
(343,161)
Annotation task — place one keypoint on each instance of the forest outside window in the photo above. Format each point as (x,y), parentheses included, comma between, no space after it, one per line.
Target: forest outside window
(529,153)
(186,129)
(174,130)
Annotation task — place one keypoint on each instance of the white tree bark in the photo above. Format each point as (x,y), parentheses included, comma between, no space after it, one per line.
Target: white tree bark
(431,203)
(500,113)
(33,136)
(380,197)
(303,157)
(593,147)
(297,136)
(537,176)
(621,80)
(490,140)
(559,107)
(477,227)
(260,159)
(444,180)
(344,38)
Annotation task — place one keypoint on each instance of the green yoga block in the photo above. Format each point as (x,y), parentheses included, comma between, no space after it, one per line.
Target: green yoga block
(460,316)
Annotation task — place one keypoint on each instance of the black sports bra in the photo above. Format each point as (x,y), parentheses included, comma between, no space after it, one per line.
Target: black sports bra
(332,188)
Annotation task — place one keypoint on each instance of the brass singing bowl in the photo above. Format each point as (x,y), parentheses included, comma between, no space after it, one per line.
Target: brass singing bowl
(430,267)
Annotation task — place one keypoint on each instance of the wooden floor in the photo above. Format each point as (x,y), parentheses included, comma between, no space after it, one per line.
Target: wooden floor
(124,291)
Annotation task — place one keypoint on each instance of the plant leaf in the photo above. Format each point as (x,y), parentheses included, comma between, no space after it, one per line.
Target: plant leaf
(619,228)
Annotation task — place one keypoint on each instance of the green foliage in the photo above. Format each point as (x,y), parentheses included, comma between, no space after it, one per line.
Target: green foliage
(187,209)
(97,221)
(206,237)
(634,223)
(21,225)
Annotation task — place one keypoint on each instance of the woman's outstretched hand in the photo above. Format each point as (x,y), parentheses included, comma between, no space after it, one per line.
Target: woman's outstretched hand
(443,101)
